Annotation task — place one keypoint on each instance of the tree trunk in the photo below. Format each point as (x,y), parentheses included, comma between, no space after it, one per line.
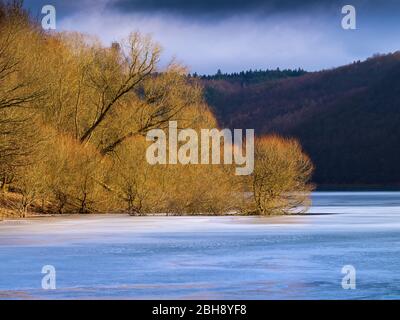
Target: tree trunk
(4,186)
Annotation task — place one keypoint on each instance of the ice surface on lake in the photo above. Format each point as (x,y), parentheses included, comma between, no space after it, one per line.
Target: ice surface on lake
(211,257)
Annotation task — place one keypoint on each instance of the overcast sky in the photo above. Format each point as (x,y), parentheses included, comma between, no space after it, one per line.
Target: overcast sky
(234,35)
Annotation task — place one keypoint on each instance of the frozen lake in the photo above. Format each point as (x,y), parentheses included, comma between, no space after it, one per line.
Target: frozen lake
(211,258)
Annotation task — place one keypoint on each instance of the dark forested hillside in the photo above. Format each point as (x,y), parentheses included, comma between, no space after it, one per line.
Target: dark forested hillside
(347,118)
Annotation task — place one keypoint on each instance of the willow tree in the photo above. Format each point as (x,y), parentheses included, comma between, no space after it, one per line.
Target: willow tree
(106,95)
(281,177)
(19,88)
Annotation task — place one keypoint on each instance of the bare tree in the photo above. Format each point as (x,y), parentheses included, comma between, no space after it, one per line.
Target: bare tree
(135,61)
(18,90)
(162,98)
(281,177)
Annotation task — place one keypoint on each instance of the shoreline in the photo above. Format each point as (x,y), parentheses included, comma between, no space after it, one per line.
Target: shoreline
(357,188)
(77,216)
(13,215)
(150,215)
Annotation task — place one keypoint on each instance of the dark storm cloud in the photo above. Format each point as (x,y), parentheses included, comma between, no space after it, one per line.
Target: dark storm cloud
(235,35)
(201,7)
(214,8)
(229,7)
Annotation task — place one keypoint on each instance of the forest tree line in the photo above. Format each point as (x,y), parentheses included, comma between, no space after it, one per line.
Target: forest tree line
(252,76)
(74,115)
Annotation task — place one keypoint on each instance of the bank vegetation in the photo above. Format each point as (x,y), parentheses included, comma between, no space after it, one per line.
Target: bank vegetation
(73,119)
